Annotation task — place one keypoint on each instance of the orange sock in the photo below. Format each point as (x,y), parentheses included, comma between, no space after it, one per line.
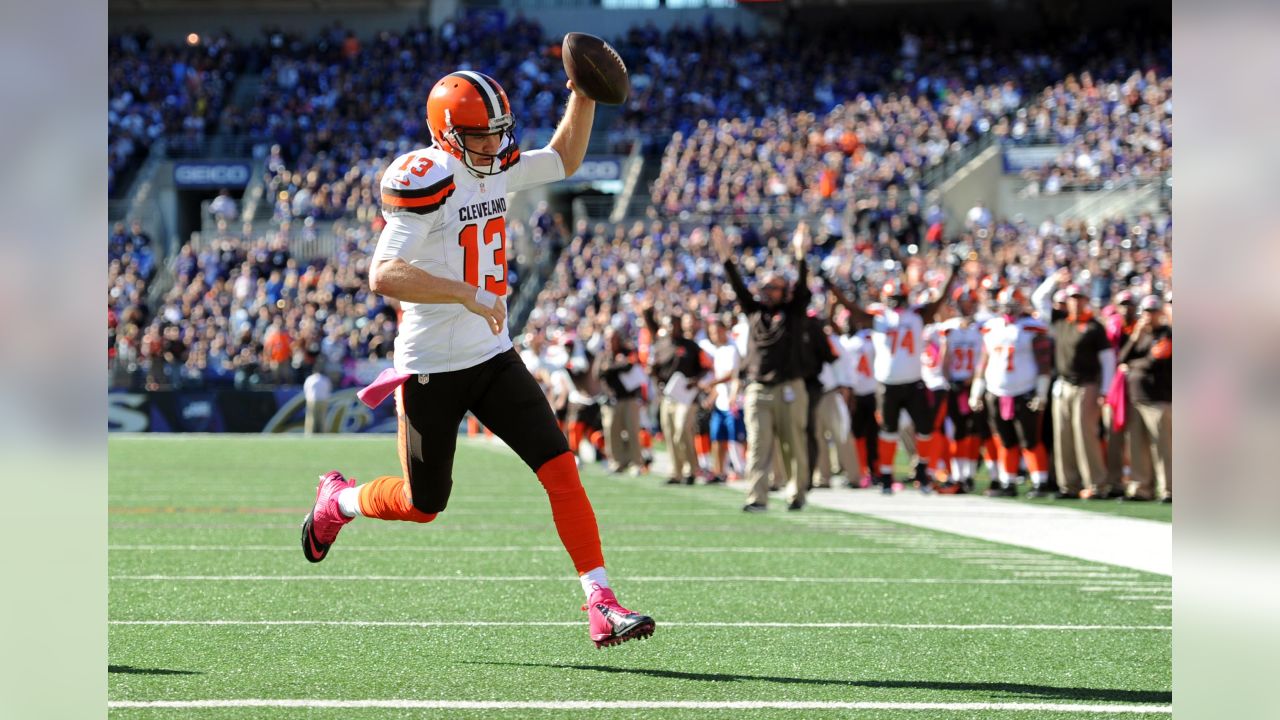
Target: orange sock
(701,444)
(576,431)
(1037,459)
(571,510)
(992,448)
(1008,460)
(597,440)
(888,449)
(646,439)
(925,448)
(387,498)
(863,457)
(942,458)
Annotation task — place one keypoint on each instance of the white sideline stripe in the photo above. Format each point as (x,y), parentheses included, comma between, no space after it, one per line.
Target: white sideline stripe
(1161,607)
(1121,584)
(1148,589)
(528,548)
(643,705)
(1075,573)
(706,624)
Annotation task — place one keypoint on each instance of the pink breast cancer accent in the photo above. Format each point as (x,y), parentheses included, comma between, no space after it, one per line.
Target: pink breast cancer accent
(382,386)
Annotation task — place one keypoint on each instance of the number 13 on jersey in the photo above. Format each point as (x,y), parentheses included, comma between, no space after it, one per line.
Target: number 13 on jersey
(485,255)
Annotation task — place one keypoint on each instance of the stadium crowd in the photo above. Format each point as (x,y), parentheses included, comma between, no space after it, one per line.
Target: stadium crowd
(1109,130)
(164,90)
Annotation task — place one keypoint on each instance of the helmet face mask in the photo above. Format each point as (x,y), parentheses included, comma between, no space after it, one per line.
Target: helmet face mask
(455,144)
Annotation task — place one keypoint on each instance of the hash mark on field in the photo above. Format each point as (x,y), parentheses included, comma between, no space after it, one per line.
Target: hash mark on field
(646,705)
(665,623)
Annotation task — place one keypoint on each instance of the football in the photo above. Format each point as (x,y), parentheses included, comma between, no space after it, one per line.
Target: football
(595,68)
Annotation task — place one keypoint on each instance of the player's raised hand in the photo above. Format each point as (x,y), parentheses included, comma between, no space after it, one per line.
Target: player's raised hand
(488,306)
(801,240)
(721,242)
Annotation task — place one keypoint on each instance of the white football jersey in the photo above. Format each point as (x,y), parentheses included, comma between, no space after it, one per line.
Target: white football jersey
(964,348)
(898,337)
(1011,359)
(446,221)
(860,349)
(931,370)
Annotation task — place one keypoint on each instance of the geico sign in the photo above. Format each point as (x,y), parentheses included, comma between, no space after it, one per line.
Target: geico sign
(236,175)
(598,170)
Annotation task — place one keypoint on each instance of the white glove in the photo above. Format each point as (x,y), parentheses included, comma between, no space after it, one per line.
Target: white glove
(1041,400)
(976,391)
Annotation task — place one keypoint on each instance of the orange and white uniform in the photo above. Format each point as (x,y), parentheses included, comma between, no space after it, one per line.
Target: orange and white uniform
(445,221)
(898,336)
(1012,367)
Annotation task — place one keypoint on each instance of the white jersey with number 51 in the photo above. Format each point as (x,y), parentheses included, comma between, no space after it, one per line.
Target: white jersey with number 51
(446,221)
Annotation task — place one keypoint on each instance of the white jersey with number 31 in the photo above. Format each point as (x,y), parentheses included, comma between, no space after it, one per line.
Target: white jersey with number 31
(446,221)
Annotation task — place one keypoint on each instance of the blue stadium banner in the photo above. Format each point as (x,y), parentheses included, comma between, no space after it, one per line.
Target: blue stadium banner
(241,411)
(211,175)
(598,167)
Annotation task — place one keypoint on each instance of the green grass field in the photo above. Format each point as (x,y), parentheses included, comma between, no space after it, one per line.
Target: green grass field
(780,615)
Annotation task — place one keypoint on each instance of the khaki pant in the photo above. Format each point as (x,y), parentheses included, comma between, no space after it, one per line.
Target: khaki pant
(827,419)
(677,427)
(1077,454)
(770,415)
(314,422)
(1150,427)
(622,433)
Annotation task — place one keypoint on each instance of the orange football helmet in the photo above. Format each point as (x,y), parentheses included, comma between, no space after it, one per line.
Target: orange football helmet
(1011,301)
(471,103)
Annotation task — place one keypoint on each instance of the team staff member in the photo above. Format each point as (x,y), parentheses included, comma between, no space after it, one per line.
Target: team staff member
(776,400)
(617,367)
(678,364)
(1148,360)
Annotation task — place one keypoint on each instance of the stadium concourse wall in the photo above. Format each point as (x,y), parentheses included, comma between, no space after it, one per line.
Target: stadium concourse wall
(282,410)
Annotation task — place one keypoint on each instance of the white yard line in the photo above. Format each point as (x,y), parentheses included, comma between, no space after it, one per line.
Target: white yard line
(705,624)
(293,547)
(1120,584)
(645,705)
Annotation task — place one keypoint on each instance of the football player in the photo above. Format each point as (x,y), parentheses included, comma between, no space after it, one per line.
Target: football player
(897,330)
(857,345)
(961,348)
(443,254)
(1013,383)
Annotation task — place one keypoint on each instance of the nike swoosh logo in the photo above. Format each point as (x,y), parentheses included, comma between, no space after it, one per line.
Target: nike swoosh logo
(402,181)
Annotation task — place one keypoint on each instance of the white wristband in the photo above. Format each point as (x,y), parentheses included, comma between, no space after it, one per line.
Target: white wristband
(486,298)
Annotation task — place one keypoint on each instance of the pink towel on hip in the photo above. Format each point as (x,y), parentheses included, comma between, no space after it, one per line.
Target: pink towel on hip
(962,403)
(1006,408)
(1117,398)
(382,386)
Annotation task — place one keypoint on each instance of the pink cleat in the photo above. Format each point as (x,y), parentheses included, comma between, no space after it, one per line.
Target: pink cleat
(321,526)
(612,624)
